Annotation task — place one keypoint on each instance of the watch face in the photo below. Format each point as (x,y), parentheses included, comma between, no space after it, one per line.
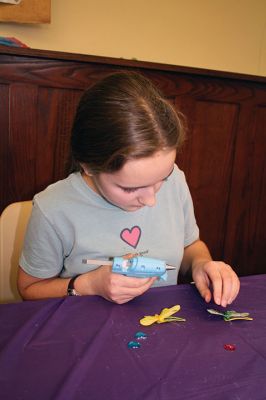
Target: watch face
(72,292)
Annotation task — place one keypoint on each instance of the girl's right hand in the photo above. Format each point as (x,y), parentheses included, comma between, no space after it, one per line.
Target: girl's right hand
(113,287)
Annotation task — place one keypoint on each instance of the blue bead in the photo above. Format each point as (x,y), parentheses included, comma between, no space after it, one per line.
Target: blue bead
(133,345)
(141,335)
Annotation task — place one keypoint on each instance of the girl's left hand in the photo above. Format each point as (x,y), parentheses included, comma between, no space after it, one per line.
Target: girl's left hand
(224,281)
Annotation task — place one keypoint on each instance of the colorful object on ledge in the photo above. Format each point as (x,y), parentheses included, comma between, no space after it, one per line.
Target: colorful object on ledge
(11,41)
(229,347)
(231,315)
(164,316)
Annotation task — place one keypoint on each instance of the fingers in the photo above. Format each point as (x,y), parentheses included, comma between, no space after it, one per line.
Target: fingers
(121,289)
(219,289)
(202,284)
(130,288)
(225,284)
(224,281)
(235,287)
(130,282)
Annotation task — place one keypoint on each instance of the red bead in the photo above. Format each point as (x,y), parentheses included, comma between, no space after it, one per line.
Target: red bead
(229,347)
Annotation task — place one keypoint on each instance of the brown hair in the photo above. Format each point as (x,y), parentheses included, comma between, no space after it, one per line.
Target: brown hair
(120,118)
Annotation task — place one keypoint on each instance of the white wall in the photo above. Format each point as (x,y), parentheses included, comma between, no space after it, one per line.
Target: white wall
(226,35)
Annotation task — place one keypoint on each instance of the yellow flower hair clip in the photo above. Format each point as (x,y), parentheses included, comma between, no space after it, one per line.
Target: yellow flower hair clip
(164,316)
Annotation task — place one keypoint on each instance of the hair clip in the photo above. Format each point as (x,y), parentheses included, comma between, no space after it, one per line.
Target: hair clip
(164,316)
(231,315)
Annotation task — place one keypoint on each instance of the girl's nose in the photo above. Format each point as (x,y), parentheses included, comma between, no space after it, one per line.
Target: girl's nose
(147,197)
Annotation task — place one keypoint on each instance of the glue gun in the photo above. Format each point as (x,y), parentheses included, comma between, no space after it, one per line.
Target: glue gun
(139,267)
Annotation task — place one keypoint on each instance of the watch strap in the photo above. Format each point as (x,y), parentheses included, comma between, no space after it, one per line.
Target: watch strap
(71,291)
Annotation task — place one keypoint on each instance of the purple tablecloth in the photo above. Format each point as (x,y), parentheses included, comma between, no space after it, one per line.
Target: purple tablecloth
(76,348)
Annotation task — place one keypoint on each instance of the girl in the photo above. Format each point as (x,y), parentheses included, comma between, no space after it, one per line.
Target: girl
(126,195)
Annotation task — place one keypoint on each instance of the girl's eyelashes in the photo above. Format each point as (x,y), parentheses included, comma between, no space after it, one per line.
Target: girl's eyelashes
(129,190)
(132,190)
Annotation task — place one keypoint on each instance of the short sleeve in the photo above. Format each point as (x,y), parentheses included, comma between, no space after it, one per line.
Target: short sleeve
(42,254)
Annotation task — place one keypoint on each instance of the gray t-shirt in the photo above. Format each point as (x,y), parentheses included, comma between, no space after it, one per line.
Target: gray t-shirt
(70,222)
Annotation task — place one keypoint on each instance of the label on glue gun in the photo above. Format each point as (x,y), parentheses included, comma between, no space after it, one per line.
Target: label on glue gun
(140,267)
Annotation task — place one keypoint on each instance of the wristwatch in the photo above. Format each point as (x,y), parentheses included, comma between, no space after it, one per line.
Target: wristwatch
(71,291)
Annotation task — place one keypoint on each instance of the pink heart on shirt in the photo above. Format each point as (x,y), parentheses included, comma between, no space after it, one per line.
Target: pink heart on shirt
(131,236)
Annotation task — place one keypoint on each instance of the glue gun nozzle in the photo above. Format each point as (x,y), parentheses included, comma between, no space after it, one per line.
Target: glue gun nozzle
(170,267)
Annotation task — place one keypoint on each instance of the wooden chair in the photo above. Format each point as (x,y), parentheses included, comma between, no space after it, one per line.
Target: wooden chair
(13,223)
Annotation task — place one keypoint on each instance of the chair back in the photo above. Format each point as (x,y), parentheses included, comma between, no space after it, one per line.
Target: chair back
(13,224)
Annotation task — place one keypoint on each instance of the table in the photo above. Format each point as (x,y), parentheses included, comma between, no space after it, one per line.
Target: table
(75,348)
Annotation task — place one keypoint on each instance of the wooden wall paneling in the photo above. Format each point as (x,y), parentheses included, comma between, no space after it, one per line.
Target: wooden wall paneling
(235,239)
(257,209)
(56,109)
(246,234)
(68,103)
(211,157)
(47,136)
(4,146)
(54,73)
(22,140)
(186,105)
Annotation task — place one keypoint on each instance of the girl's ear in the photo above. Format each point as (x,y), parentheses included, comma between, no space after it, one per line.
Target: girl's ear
(86,169)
